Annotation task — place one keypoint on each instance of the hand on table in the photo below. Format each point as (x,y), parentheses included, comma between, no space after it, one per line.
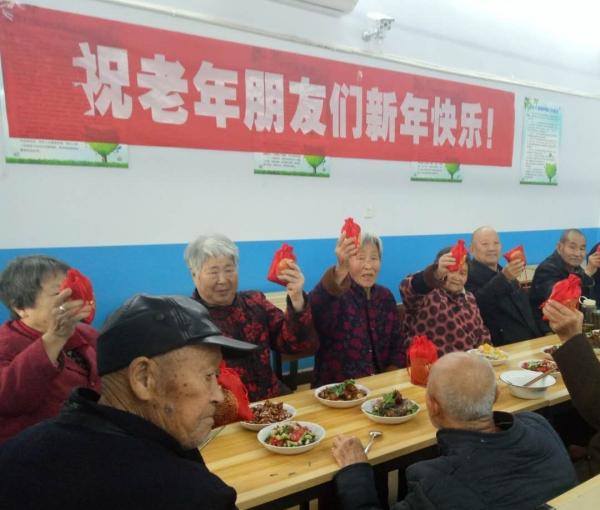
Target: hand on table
(347,450)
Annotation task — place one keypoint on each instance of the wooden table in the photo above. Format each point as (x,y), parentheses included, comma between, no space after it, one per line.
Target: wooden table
(583,497)
(259,476)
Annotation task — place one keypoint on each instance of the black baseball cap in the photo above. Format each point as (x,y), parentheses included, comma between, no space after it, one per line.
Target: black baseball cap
(151,325)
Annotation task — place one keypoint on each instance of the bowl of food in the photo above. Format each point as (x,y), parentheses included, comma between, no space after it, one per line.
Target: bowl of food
(549,350)
(392,408)
(344,394)
(516,380)
(291,438)
(267,412)
(494,355)
(544,366)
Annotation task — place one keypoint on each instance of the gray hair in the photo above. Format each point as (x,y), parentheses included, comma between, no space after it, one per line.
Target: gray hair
(22,279)
(369,238)
(204,247)
(464,385)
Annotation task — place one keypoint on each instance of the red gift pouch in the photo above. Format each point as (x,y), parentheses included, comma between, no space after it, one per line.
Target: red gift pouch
(352,230)
(81,288)
(515,253)
(236,406)
(280,261)
(598,249)
(422,353)
(566,292)
(459,252)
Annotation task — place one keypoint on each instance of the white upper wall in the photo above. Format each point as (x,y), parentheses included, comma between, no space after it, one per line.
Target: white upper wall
(171,195)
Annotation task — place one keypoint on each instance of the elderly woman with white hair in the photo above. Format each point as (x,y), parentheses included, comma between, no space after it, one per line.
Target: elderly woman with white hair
(357,319)
(248,315)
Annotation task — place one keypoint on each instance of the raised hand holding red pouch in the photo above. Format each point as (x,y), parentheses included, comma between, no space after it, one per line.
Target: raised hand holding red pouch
(567,292)
(352,230)
(459,252)
(517,252)
(81,288)
(281,260)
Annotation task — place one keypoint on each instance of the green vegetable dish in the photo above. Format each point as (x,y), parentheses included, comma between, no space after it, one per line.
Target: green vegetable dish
(290,435)
(393,405)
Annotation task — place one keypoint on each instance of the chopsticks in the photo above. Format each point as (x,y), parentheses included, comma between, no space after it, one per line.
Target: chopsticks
(536,379)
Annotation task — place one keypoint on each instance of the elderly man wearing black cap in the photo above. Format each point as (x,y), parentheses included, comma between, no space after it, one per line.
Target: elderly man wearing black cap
(134,446)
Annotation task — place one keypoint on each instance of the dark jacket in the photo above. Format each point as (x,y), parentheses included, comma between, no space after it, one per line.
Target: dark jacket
(96,457)
(504,306)
(359,335)
(520,467)
(596,290)
(581,373)
(550,271)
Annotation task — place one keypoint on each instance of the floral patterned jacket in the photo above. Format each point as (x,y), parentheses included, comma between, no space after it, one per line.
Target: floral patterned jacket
(359,335)
(253,318)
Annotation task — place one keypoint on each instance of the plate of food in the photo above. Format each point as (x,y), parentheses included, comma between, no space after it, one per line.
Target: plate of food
(391,408)
(549,350)
(291,438)
(545,366)
(267,412)
(344,394)
(494,355)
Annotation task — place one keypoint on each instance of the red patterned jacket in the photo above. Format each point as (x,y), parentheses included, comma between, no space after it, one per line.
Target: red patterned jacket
(253,318)
(451,321)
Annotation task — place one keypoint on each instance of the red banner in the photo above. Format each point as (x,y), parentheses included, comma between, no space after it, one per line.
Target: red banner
(72,77)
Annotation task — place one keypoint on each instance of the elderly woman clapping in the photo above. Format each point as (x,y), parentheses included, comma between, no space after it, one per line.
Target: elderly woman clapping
(248,315)
(45,351)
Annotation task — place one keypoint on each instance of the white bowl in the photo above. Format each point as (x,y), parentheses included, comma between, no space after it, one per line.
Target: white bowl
(515,379)
(367,409)
(258,426)
(494,361)
(291,450)
(341,403)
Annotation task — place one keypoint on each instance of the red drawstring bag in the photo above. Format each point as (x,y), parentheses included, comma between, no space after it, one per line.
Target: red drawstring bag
(598,249)
(81,288)
(515,253)
(283,256)
(567,292)
(352,230)
(422,353)
(459,252)
(235,406)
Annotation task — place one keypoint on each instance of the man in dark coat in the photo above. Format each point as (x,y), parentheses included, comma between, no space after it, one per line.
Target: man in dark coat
(135,445)
(566,260)
(488,460)
(594,255)
(580,370)
(503,304)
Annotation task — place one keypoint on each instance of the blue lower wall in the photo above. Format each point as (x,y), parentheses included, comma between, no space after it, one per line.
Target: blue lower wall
(120,271)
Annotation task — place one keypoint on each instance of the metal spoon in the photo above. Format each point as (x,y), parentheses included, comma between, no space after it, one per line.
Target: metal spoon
(374,434)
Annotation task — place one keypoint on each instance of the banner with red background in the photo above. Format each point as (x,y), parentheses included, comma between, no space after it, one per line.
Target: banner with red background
(73,77)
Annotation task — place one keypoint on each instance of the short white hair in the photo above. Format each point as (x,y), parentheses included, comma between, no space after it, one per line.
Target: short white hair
(205,247)
(464,385)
